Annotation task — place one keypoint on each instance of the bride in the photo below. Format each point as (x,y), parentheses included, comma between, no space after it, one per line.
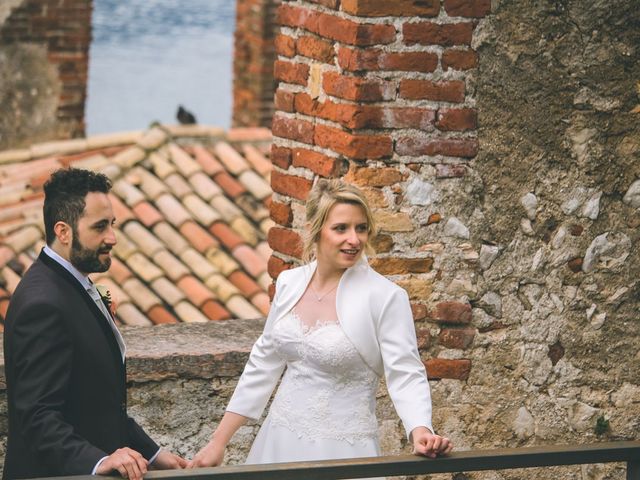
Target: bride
(335,328)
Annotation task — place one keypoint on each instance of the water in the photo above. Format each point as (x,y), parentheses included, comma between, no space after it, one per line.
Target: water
(149,56)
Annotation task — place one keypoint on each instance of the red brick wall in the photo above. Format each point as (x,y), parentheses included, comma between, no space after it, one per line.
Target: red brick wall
(64,28)
(254,54)
(378,93)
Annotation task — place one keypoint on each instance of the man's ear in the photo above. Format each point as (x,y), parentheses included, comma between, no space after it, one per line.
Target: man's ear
(63,232)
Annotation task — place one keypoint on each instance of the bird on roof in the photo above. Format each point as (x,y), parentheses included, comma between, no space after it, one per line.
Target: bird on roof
(184,116)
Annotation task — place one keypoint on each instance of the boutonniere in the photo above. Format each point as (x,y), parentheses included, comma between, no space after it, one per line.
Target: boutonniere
(107,299)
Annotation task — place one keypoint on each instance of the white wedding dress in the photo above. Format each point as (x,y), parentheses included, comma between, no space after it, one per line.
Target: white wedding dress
(325,405)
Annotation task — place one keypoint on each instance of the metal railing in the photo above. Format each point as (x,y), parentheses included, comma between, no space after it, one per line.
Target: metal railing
(466,461)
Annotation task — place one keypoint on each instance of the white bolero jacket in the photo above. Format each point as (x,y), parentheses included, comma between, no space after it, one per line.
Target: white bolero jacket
(374,314)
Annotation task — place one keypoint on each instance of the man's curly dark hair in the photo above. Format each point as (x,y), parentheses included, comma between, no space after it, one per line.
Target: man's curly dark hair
(65,194)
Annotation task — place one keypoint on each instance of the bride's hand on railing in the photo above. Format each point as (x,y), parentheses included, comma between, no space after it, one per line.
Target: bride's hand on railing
(429,444)
(211,455)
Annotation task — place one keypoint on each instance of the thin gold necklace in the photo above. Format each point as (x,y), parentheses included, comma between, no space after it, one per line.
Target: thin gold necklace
(320,297)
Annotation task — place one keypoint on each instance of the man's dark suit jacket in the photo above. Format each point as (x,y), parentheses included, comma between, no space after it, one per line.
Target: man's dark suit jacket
(65,378)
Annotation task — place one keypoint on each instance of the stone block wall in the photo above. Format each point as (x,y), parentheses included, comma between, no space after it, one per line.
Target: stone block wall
(253,57)
(498,144)
(44,49)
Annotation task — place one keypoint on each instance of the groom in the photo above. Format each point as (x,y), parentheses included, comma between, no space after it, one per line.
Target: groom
(64,357)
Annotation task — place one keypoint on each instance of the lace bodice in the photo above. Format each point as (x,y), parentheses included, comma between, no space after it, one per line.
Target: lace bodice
(327,390)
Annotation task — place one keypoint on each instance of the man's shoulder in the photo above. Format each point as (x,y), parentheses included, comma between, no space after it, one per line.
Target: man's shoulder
(39,282)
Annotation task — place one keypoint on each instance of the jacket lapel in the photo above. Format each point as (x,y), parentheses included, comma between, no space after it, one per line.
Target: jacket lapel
(98,316)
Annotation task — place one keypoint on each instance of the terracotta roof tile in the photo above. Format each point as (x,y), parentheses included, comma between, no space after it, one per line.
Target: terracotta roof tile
(223,262)
(18,210)
(95,162)
(253,209)
(245,229)
(147,214)
(256,184)
(165,200)
(26,261)
(129,157)
(146,241)
(234,162)
(249,133)
(140,294)
(189,314)
(59,147)
(249,259)
(266,224)
(15,156)
(119,271)
(207,161)
(201,210)
(110,139)
(143,268)
(186,165)
(222,288)
(258,161)
(170,237)
(261,302)
(151,185)
(112,171)
(11,279)
(124,247)
(225,207)
(194,130)
(265,281)
(162,167)
(14,192)
(214,311)
(4,306)
(195,290)
(129,314)
(172,267)
(244,283)
(6,254)
(122,213)
(241,308)
(230,186)
(198,264)
(204,186)
(159,315)
(128,193)
(152,139)
(24,238)
(198,236)
(172,210)
(167,291)
(264,250)
(26,171)
(226,235)
(178,185)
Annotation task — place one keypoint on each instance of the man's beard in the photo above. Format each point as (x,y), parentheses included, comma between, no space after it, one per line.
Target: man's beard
(87,260)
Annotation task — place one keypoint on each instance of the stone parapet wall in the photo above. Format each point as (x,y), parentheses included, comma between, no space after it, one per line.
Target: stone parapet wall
(44,53)
(181,378)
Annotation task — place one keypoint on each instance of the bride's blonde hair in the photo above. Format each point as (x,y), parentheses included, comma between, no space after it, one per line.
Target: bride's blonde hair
(323,196)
